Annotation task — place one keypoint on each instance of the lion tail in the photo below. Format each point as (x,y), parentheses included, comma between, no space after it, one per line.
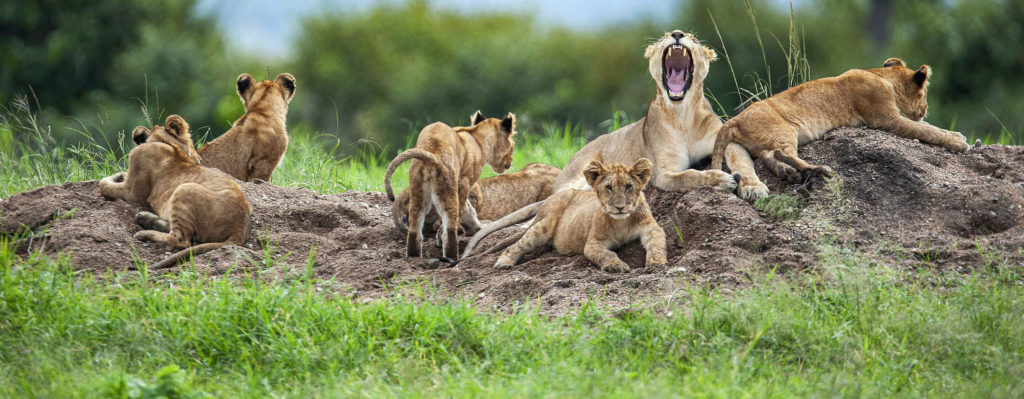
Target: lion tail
(725,134)
(520,215)
(414,153)
(194,250)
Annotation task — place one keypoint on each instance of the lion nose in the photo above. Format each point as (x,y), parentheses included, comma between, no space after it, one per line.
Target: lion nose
(620,207)
(678,34)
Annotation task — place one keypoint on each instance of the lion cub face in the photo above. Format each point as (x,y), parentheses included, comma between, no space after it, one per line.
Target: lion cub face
(175,133)
(911,87)
(677,62)
(274,94)
(617,186)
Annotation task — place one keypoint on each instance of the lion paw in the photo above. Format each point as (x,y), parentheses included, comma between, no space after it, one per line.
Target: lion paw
(502,264)
(751,192)
(146,235)
(789,173)
(618,267)
(721,181)
(151,221)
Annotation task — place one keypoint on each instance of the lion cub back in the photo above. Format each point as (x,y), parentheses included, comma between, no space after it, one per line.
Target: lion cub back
(503,194)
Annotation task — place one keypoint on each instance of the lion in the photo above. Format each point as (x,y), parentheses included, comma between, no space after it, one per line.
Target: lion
(256,142)
(190,201)
(892,98)
(493,197)
(593,222)
(679,129)
(446,163)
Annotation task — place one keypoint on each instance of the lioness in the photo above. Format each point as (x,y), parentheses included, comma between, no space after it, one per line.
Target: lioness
(593,222)
(679,129)
(493,197)
(446,163)
(256,143)
(191,201)
(772,129)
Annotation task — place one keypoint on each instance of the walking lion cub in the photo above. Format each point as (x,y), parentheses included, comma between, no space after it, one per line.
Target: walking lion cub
(446,163)
(190,201)
(594,222)
(893,98)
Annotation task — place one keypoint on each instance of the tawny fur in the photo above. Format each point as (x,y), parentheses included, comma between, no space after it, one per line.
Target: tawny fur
(595,222)
(257,141)
(676,132)
(446,163)
(892,98)
(493,197)
(190,201)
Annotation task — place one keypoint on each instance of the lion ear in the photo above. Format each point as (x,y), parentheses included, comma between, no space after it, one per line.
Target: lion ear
(244,84)
(287,81)
(508,123)
(140,135)
(710,54)
(920,77)
(893,62)
(177,126)
(476,118)
(594,170)
(641,170)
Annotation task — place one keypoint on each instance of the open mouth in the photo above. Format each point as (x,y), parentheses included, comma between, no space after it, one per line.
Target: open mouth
(677,71)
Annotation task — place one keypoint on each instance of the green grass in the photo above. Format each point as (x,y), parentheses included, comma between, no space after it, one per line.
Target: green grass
(780,206)
(849,329)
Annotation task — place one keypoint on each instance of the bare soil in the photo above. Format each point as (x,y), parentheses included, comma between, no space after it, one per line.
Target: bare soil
(903,204)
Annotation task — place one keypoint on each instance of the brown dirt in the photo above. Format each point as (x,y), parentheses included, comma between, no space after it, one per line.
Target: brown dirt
(904,204)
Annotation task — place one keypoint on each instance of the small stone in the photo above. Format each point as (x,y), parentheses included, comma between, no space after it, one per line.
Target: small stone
(365,246)
(977,142)
(676,270)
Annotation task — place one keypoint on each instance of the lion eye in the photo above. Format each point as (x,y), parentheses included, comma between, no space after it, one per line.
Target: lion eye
(608,188)
(629,187)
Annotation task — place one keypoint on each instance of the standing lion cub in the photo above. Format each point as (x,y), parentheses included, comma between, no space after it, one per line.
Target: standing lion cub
(594,222)
(893,98)
(446,163)
(190,201)
(256,143)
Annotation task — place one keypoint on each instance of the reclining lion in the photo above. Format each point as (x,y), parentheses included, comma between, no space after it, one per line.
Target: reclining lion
(190,201)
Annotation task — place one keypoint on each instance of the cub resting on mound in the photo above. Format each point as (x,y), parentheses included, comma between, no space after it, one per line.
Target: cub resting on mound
(493,197)
(256,143)
(191,201)
(446,163)
(679,129)
(772,129)
(594,222)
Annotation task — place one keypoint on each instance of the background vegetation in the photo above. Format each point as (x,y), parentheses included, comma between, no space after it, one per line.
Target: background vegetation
(382,73)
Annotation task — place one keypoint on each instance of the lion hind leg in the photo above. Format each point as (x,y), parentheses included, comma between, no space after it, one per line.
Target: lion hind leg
(788,156)
(150,221)
(537,236)
(449,212)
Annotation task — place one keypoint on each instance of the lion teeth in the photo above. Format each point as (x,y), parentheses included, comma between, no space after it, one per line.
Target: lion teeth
(670,51)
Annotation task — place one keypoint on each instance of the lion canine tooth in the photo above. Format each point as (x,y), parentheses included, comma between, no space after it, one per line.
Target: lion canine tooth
(670,51)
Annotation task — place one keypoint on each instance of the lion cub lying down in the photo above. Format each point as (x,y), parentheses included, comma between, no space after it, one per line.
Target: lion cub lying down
(892,98)
(594,222)
(446,163)
(491,198)
(190,201)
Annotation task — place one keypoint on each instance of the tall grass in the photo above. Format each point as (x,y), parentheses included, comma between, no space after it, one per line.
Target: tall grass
(861,331)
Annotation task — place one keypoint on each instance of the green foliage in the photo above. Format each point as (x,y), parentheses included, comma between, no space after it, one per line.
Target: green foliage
(395,68)
(853,330)
(780,206)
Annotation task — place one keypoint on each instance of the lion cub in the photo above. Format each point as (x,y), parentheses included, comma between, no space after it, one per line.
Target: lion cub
(191,201)
(493,197)
(594,222)
(892,98)
(256,143)
(446,163)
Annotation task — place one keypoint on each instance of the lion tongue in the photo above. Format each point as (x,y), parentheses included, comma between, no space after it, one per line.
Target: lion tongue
(676,81)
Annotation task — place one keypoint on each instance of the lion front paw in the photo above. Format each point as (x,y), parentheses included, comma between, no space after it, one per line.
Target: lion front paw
(503,263)
(146,235)
(720,180)
(958,143)
(750,192)
(617,267)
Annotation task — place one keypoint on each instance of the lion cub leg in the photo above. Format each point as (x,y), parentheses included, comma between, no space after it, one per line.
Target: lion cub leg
(923,131)
(182,218)
(691,179)
(150,221)
(537,236)
(653,239)
(788,156)
(115,186)
(418,209)
(449,213)
(750,186)
(597,250)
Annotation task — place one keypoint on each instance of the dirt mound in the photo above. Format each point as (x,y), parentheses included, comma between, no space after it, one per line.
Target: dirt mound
(903,203)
